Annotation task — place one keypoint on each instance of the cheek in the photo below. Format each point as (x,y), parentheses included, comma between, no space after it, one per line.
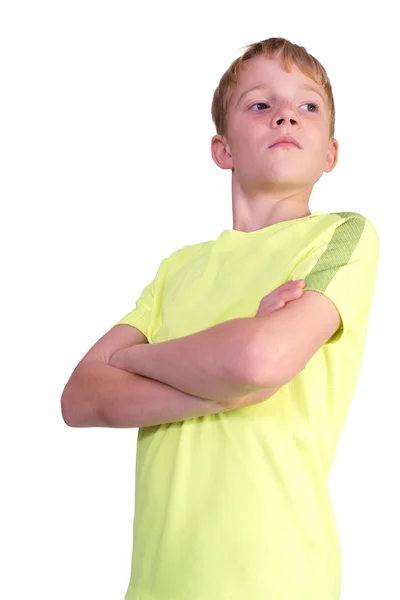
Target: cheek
(243,135)
(242,150)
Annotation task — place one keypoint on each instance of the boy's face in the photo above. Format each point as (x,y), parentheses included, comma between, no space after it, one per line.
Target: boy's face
(256,118)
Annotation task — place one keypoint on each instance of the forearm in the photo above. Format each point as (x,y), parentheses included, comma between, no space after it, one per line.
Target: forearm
(99,395)
(214,363)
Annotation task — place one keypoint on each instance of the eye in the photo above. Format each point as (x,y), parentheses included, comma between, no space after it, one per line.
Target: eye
(316,107)
(262,104)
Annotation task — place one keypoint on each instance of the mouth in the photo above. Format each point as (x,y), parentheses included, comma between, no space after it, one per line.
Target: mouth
(285,141)
(284,145)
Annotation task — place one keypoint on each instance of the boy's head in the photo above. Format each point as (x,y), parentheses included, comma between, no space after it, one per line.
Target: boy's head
(274,89)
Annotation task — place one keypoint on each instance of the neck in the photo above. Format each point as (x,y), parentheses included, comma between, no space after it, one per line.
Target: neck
(256,210)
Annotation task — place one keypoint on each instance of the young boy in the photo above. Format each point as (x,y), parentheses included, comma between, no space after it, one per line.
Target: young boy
(241,403)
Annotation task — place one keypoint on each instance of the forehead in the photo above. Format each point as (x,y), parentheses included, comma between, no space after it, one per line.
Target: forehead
(261,71)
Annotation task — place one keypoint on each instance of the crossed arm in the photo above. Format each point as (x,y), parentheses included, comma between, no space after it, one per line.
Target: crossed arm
(240,356)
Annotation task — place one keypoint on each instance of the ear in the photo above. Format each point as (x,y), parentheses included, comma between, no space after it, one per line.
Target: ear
(220,152)
(332,155)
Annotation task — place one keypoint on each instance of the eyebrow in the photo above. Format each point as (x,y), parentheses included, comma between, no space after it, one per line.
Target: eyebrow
(305,86)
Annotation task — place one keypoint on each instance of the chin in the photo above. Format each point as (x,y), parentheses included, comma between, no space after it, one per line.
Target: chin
(285,176)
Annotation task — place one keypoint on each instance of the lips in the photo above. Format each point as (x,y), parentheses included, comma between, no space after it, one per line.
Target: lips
(286,141)
(284,145)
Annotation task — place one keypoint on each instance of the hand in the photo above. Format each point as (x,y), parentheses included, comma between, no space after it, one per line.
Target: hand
(287,292)
(282,295)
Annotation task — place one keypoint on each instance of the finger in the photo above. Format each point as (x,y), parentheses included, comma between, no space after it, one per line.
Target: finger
(280,304)
(289,293)
(296,283)
(275,305)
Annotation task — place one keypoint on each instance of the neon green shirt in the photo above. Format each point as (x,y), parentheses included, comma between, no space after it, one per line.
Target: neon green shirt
(236,506)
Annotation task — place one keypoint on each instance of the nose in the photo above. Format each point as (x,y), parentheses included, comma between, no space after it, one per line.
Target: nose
(285,112)
(291,121)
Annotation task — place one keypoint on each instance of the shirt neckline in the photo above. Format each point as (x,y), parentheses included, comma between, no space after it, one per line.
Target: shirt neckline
(244,234)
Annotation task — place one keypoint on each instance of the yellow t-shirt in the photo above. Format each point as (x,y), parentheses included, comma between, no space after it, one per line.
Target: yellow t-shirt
(236,506)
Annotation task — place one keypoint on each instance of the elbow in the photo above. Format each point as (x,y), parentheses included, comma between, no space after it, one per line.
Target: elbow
(273,369)
(67,411)
(76,413)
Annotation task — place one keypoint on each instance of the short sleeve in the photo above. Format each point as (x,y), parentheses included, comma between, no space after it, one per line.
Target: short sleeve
(343,267)
(142,315)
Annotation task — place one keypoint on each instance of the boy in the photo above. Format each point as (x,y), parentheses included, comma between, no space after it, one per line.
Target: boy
(241,403)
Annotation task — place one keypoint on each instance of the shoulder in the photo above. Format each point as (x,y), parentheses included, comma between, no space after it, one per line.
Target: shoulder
(351,221)
(186,254)
(352,230)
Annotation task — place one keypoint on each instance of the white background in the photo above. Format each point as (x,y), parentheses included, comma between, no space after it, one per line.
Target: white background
(105,170)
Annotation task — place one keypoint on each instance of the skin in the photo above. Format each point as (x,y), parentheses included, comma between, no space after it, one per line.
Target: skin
(270,185)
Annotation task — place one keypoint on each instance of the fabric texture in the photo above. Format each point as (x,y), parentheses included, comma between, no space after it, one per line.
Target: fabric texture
(236,505)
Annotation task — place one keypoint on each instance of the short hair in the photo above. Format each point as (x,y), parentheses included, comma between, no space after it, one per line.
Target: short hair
(287,54)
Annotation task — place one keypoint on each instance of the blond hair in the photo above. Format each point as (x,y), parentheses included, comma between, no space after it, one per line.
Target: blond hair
(287,54)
